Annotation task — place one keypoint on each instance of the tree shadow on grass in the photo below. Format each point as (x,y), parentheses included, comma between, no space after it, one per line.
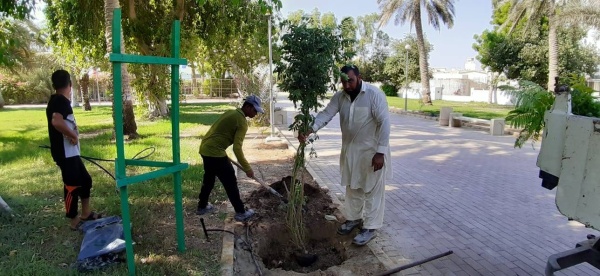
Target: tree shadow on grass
(17,148)
(204,114)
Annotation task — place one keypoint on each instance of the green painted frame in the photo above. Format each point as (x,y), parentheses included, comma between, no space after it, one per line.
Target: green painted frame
(175,167)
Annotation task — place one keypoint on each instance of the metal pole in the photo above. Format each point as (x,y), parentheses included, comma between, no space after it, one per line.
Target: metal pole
(97,86)
(271,103)
(271,79)
(120,172)
(397,269)
(177,190)
(406,80)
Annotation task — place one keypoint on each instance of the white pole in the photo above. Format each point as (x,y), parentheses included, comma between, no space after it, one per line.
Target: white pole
(407,47)
(271,103)
(73,102)
(271,79)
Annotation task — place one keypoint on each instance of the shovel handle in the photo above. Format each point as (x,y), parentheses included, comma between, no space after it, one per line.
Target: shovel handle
(240,167)
(236,164)
(259,181)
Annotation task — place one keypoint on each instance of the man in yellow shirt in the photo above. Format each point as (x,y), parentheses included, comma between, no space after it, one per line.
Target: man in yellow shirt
(229,129)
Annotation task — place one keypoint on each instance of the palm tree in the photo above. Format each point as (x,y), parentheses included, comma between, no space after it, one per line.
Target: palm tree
(84,85)
(26,39)
(129,125)
(559,13)
(438,11)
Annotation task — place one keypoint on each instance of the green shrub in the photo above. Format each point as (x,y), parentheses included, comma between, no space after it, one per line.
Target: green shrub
(533,101)
(33,88)
(389,89)
(582,101)
(13,91)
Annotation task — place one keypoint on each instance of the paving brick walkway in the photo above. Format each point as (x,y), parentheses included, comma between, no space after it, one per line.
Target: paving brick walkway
(461,190)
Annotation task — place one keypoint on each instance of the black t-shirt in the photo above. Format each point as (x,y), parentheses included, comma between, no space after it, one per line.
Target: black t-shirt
(60,146)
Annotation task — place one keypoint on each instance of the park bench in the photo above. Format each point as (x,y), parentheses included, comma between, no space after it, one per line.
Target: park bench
(454,119)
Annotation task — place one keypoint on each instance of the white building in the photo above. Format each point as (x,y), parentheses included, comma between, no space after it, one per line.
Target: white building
(469,84)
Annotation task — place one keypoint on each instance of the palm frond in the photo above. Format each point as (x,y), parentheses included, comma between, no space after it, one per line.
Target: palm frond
(440,9)
(587,15)
(437,11)
(536,12)
(530,10)
(531,105)
(389,8)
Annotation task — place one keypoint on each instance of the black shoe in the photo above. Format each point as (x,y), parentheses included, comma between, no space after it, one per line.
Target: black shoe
(203,211)
(243,217)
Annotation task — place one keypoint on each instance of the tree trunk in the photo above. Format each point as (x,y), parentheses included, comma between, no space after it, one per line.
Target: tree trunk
(84,84)
(497,78)
(157,103)
(491,94)
(492,87)
(423,66)
(129,124)
(157,107)
(75,89)
(552,52)
(156,99)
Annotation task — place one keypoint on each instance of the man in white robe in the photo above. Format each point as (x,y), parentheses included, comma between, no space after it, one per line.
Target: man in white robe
(365,156)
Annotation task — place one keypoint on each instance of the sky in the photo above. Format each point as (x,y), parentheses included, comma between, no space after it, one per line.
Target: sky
(451,47)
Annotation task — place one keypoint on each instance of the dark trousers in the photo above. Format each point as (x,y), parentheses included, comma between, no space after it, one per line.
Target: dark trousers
(220,167)
(77,183)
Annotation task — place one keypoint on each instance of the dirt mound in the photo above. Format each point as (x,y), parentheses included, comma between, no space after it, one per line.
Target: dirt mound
(272,237)
(267,249)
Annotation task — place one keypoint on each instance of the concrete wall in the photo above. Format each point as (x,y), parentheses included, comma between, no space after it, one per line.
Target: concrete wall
(476,96)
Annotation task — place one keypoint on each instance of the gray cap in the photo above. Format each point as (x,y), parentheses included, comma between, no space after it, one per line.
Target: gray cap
(254,101)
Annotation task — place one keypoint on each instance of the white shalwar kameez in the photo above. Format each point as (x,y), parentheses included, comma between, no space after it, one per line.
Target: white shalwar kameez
(365,128)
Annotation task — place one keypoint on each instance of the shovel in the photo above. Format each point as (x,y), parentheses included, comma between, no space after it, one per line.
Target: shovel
(261,183)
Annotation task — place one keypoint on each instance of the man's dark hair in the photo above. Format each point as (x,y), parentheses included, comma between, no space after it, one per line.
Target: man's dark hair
(247,104)
(348,68)
(60,79)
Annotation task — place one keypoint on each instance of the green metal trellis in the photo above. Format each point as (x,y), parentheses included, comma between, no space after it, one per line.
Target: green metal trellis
(175,167)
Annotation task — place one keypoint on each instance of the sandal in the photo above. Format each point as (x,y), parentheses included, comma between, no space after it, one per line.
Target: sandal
(77,227)
(92,216)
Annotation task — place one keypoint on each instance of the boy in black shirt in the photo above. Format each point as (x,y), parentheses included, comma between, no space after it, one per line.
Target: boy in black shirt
(64,145)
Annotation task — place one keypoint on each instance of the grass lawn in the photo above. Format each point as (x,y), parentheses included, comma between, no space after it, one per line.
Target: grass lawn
(37,241)
(470,109)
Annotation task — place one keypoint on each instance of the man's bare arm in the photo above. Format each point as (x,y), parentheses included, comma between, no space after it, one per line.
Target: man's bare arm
(59,123)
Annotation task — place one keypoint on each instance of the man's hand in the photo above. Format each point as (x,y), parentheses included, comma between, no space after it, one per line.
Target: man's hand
(250,174)
(302,136)
(73,140)
(377,162)
(59,123)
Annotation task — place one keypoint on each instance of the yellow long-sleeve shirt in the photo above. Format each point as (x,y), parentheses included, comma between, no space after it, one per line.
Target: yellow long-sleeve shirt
(229,129)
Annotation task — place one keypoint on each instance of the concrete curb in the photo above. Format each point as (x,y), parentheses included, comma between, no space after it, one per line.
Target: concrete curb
(228,247)
(375,245)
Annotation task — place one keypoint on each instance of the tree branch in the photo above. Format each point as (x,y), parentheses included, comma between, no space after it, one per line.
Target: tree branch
(180,9)
(132,15)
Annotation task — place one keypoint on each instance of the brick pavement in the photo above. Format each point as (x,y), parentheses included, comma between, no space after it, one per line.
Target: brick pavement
(462,190)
